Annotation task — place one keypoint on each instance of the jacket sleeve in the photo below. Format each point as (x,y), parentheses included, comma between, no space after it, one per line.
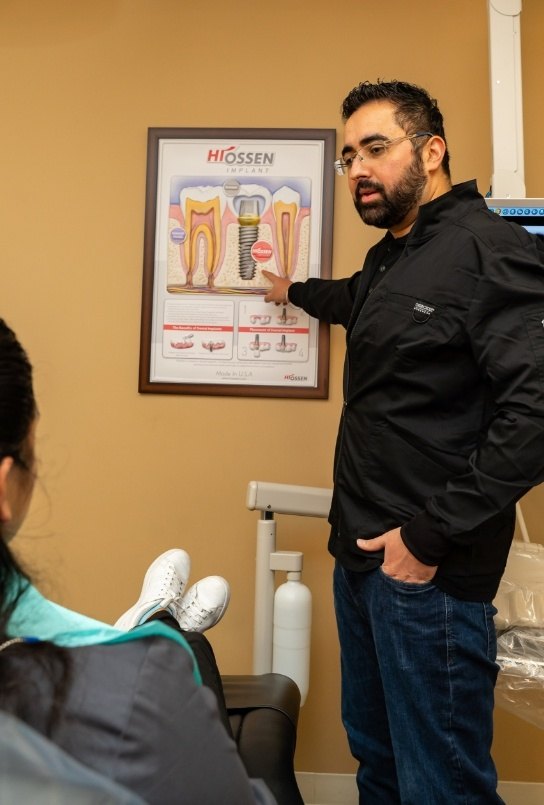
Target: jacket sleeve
(327,300)
(136,715)
(183,749)
(505,328)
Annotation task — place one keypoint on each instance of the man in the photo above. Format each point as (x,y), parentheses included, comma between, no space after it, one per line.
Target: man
(442,431)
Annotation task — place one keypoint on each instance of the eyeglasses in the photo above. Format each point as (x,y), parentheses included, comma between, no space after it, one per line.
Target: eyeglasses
(373,151)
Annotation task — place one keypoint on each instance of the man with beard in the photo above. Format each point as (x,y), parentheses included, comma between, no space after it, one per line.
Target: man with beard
(442,431)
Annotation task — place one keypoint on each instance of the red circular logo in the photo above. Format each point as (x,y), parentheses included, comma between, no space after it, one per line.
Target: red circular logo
(261,251)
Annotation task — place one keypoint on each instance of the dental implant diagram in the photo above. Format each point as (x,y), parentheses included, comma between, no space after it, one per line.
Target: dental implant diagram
(248,219)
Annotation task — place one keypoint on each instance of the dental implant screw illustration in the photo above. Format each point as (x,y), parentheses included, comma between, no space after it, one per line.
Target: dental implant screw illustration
(249,219)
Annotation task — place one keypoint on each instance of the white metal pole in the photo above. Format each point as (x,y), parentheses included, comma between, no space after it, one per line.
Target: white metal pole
(508,179)
(521,523)
(264,595)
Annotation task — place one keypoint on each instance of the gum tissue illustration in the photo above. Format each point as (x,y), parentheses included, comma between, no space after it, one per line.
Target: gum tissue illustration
(185,343)
(213,234)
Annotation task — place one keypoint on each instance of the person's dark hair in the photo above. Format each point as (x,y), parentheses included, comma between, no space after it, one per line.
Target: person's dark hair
(17,413)
(17,402)
(415,110)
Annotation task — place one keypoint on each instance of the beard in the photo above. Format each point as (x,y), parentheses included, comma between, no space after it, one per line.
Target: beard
(395,204)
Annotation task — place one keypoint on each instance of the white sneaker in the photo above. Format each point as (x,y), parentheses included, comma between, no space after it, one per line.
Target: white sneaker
(203,605)
(164,582)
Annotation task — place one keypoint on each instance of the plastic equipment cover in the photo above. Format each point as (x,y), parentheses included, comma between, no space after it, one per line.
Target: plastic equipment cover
(520,629)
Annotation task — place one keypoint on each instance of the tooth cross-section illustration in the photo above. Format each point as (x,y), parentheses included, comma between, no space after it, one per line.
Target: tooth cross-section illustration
(223,234)
(202,213)
(285,206)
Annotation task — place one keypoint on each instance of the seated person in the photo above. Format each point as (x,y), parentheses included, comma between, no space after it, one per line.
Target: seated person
(126,701)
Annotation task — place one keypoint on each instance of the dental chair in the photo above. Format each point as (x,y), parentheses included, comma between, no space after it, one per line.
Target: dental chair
(264,707)
(263,712)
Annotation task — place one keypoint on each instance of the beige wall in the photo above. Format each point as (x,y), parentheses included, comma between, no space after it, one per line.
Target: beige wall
(126,476)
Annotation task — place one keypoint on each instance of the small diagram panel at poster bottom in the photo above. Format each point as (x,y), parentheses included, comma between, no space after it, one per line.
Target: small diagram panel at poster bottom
(196,332)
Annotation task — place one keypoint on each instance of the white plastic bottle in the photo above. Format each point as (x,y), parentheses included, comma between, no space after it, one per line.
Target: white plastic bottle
(292,628)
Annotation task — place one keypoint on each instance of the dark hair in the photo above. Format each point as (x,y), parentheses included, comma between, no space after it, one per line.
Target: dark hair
(17,412)
(17,402)
(415,110)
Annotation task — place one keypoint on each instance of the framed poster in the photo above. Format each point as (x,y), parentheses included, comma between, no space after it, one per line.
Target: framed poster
(221,206)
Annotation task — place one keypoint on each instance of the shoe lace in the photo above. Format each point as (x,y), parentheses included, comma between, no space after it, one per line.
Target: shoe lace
(167,590)
(195,611)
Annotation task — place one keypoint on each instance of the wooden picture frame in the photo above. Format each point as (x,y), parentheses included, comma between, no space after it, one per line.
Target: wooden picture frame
(222,204)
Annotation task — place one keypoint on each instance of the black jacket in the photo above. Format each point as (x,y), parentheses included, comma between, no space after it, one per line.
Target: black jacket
(442,429)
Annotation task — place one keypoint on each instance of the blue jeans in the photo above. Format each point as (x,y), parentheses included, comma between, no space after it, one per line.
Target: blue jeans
(418,674)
